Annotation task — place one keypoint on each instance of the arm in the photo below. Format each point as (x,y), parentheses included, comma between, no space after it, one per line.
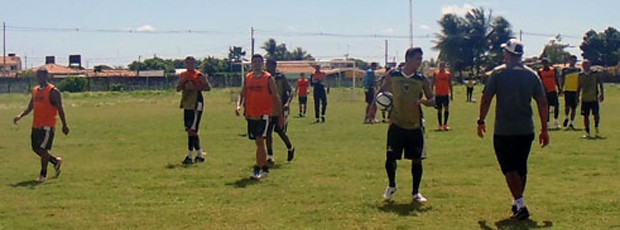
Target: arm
(601,89)
(205,85)
(428,93)
(450,84)
(289,91)
(543,137)
(557,80)
(240,100)
(181,83)
(485,104)
(385,86)
(277,103)
(25,112)
(56,100)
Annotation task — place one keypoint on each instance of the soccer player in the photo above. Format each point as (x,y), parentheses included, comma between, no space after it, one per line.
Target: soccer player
(514,85)
(592,91)
(551,84)
(302,92)
(369,91)
(471,82)
(47,104)
(570,81)
(406,130)
(442,82)
(191,84)
(258,98)
(284,91)
(318,80)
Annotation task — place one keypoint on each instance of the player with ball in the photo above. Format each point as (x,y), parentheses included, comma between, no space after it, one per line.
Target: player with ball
(406,131)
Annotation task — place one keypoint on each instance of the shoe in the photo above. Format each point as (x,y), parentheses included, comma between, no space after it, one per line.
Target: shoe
(301,115)
(256,175)
(513,209)
(291,154)
(317,121)
(521,214)
(264,172)
(57,167)
(419,198)
(565,123)
(187,161)
(571,127)
(383,120)
(389,192)
(42,179)
(270,160)
(446,128)
(440,128)
(556,124)
(323,119)
(587,136)
(198,159)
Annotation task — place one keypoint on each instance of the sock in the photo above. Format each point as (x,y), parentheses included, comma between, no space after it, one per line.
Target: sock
(439,117)
(265,169)
(196,142)
(445,117)
(390,168)
(269,153)
(520,203)
(190,143)
(43,173)
(199,153)
(416,173)
(189,153)
(53,160)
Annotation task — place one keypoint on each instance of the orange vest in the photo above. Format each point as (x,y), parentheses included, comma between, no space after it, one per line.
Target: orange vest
(302,87)
(44,112)
(191,75)
(548,79)
(442,83)
(258,98)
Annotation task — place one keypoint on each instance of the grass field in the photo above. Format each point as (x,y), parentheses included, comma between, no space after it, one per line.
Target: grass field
(122,171)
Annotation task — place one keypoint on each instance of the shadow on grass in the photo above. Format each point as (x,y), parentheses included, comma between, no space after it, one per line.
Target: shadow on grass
(509,223)
(174,166)
(403,209)
(242,183)
(26,183)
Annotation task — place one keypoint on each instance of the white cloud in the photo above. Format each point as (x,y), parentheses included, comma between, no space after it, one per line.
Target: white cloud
(425,27)
(146,28)
(458,10)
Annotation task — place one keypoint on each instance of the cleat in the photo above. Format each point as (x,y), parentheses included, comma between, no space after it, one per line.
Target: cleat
(42,179)
(556,124)
(521,214)
(389,192)
(57,167)
(323,119)
(440,128)
(586,136)
(187,161)
(513,209)
(419,198)
(317,121)
(565,123)
(291,154)
(265,171)
(198,159)
(256,175)
(270,160)
(446,128)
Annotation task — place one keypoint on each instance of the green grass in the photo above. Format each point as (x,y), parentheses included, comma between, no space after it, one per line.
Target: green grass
(122,171)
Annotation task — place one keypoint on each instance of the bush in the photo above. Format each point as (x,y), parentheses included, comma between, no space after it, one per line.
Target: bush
(73,84)
(117,87)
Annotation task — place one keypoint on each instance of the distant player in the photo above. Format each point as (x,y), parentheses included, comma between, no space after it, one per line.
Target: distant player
(471,82)
(318,80)
(551,83)
(570,81)
(258,98)
(302,91)
(47,104)
(191,84)
(406,131)
(442,82)
(284,91)
(592,92)
(369,91)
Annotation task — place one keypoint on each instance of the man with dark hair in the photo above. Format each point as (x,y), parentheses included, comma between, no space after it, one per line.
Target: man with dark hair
(442,83)
(551,84)
(369,91)
(569,81)
(592,92)
(318,80)
(259,99)
(514,85)
(284,90)
(191,84)
(47,104)
(406,130)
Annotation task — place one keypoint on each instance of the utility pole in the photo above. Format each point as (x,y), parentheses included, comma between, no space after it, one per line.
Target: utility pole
(252,39)
(386,52)
(521,35)
(410,24)
(138,68)
(3,48)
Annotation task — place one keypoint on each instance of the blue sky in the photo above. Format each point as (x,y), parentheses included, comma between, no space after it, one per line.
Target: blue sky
(218,25)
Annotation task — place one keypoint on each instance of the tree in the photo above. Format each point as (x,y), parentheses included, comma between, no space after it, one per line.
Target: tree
(270,46)
(601,48)
(281,53)
(300,54)
(211,65)
(450,42)
(555,52)
(154,63)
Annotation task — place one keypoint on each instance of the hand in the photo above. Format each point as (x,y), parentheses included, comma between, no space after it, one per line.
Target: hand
(543,138)
(451,97)
(601,98)
(481,130)
(238,111)
(16,119)
(65,130)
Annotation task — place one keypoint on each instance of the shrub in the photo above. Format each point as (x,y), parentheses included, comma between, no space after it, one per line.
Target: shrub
(73,84)
(117,87)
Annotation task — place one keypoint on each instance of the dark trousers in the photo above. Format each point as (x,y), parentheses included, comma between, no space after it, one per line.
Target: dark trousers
(320,98)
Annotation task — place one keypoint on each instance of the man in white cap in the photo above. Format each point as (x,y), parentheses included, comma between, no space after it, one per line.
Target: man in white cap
(515,85)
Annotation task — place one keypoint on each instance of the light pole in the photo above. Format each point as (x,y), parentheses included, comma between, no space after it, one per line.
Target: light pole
(410,24)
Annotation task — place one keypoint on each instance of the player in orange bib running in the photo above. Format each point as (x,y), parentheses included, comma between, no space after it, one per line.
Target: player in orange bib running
(302,91)
(47,104)
(549,78)
(442,82)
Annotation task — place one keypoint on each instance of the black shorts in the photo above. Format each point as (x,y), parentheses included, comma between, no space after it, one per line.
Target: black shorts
(552,99)
(303,100)
(571,100)
(512,152)
(409,140)
(442,101)
(191,118)
(370,95)
(587,106)
(258,128)
(42,138)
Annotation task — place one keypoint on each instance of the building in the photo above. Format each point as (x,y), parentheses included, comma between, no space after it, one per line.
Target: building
(10,65)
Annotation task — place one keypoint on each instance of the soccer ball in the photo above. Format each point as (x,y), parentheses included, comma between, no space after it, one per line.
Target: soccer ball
(384,100)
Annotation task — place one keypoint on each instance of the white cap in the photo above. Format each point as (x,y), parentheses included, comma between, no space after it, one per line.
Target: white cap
(513,46)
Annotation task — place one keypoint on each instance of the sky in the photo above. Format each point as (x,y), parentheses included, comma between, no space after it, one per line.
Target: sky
(117,32)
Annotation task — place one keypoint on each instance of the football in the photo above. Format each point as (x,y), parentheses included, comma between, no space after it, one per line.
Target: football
(384,100)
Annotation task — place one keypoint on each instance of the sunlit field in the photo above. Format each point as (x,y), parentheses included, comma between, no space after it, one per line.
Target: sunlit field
(122,170)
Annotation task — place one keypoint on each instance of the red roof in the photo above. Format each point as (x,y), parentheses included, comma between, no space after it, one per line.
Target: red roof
(11,60)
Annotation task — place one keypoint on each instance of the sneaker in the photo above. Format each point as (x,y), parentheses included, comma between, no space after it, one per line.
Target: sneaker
(383,120)
(565,123)
(556,124)
(187,161)
(571,127)
(42,179)
(270,160)
(322,118)
(317,121)
(521,214)
(440,128)
(256,175)
(446,128)
(58,165)
(291,155)
(419,198)
(301,115)
(389,192)
(198,159)
(513,209)
(586,136)
(265,171)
